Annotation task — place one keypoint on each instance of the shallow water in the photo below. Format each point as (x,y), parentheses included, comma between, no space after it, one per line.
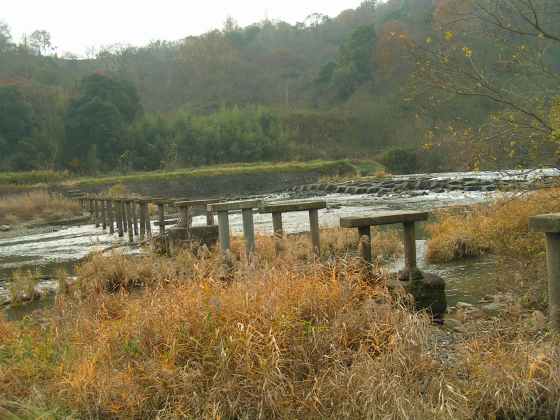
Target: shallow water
(65,246)
(467,280)
(46,252)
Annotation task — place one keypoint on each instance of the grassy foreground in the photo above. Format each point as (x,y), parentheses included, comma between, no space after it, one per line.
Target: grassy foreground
(184,337)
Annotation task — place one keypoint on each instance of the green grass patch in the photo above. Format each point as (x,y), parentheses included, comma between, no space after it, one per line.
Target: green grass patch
(24,180)
(368,167)
(322,167)
(33,177)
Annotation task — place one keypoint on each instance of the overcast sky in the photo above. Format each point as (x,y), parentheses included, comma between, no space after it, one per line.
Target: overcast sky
(76,25)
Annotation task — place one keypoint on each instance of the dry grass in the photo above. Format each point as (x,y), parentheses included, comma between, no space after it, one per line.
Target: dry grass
(36,205)
(335,242)
(501,228)
(22,285)
(117,190)
(186,337)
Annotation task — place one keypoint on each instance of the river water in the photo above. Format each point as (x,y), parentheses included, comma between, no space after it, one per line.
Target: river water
(46,250)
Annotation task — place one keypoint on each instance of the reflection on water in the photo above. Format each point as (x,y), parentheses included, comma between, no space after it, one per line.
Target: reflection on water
(45,252)
(467,280)
(64,246)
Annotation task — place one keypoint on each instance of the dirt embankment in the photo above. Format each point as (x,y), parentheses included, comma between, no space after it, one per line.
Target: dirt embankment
(209,186)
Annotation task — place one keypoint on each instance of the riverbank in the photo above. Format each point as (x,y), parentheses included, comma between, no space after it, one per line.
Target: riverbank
(209,181)
(35,208)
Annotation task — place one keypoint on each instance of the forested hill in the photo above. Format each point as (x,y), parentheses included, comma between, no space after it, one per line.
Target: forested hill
(328,87)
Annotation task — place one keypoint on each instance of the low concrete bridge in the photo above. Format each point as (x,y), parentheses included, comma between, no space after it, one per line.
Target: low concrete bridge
(131,216)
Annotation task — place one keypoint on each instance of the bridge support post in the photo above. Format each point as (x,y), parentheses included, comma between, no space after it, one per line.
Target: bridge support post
(248,231)
(146,209)
(315,231)
(246,208)
(278,231)
(129,219)
(111,216)
(124,214)
(142,221)
(133,206)
(104,214)
(365,243)
(312,207)
(549,224)
(119,208)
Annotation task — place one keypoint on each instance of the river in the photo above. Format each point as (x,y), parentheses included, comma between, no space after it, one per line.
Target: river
(48,249)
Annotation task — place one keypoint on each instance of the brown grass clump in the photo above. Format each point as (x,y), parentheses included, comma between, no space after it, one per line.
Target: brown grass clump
(184,337)
(36,205)
(22,285)
(506,372)
(117,190)
(387,245)
(501,227)
(278,344)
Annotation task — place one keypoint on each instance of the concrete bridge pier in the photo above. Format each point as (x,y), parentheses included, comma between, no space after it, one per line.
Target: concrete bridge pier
(246,208)
(549,224)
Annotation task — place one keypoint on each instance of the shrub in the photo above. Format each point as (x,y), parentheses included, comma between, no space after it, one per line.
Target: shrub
(36,205)
(33,177)
(500,227)
(400,160)
(22,285)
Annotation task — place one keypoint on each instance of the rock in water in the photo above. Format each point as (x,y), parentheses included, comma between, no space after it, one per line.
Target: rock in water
(429,294)
(5,228)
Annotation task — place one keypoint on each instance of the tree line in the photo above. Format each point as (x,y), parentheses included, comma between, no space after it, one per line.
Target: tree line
(405,81)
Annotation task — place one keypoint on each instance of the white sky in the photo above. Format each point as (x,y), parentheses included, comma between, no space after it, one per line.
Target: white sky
(76,25)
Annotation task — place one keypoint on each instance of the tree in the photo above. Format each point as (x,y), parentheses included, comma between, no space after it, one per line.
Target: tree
(5,38)
(367,6)
(499,53)
(16,118)
(400,161)
(40,42)
(390,52)
(96,122)
(354,64)
(353,68)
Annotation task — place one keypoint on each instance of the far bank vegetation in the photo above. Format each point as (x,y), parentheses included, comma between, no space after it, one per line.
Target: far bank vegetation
(36,206)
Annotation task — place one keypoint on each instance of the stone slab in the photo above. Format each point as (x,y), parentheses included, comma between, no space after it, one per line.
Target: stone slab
(196,203)
(168,222)
(235,205)
(384,218)
(161,201)
(286,207)
(547,223)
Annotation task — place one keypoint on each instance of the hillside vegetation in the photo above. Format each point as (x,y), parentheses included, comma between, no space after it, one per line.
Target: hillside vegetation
(416,78)
(36,206)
